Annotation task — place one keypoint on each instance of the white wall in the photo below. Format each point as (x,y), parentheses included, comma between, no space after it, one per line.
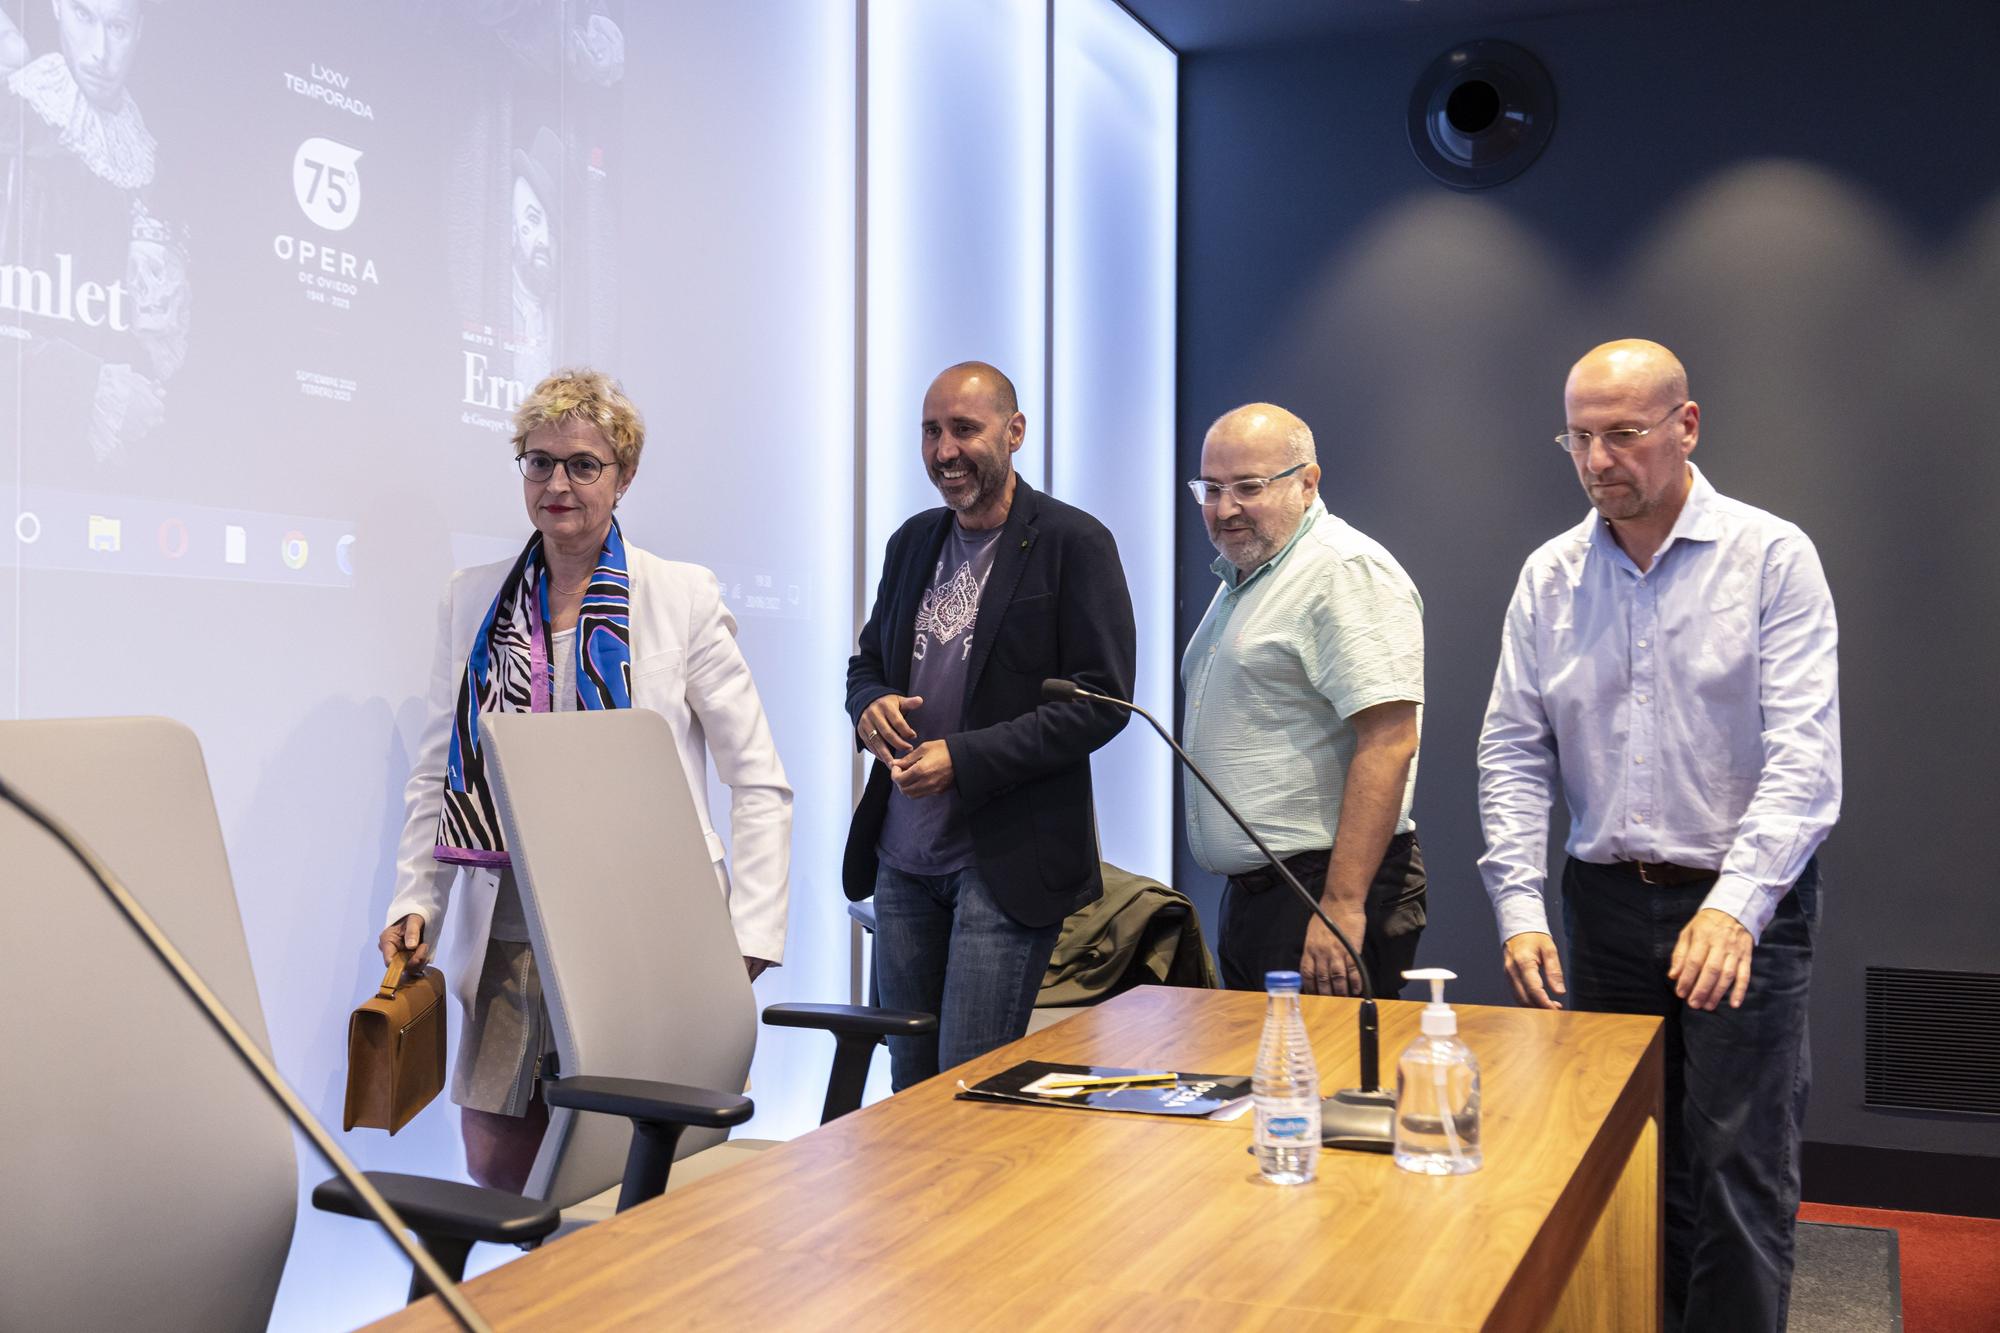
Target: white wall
(1112,369)
(706,252)
(957,220)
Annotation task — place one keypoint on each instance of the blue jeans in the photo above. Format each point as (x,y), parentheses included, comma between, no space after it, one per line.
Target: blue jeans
(1735,1087)
(944,947)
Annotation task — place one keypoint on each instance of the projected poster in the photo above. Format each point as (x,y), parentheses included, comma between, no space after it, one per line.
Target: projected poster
(530,125)
(233,295)
(94,283)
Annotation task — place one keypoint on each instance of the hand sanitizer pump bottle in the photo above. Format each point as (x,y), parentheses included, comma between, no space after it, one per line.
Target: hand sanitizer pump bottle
(1437,1091)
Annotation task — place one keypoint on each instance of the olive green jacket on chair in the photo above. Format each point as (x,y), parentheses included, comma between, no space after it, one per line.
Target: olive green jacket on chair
(1139,933)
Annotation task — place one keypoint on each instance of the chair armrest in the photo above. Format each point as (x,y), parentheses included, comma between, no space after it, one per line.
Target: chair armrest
(646,1101)
(864,913)
(658,1112)
(446,1208)
(851,1019)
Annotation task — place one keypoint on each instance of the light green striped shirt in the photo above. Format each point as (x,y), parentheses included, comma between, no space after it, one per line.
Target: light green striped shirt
(1328,626)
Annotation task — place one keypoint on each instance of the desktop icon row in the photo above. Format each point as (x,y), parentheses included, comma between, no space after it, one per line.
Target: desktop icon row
(106,534)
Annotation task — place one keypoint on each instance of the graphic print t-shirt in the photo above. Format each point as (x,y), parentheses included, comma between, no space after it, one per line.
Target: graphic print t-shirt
(928,835)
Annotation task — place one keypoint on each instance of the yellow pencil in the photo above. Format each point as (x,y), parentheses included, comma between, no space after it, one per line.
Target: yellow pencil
(1067,1082)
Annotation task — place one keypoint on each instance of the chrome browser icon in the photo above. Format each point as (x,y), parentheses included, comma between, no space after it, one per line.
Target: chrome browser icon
(293,550)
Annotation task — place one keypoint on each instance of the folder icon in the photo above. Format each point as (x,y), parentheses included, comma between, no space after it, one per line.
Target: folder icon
(104,533)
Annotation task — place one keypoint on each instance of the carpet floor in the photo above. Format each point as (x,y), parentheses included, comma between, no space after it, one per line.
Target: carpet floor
(1845,1280)
(1950,1265)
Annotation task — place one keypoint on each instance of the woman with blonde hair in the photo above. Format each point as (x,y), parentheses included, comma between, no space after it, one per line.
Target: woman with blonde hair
(580,619)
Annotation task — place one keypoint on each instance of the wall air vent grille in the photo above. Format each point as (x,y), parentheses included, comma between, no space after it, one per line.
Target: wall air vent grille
(1933,1041)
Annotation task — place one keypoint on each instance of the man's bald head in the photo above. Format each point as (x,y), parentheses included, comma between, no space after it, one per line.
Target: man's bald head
(972,425)
(1267,423)
(1257,442)
(999,388)
(1626,403)
(1635,365)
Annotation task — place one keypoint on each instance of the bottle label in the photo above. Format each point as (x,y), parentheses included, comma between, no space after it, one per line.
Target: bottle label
(1287,1128)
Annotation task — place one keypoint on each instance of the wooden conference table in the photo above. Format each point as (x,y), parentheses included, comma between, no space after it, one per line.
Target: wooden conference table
(924,1212)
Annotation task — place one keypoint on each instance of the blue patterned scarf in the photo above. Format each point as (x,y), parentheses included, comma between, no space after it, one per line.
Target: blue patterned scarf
(508,672)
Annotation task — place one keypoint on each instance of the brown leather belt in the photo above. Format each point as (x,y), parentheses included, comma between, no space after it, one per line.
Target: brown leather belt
(1666,875)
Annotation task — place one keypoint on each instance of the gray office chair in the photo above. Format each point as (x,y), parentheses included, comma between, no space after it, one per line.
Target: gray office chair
(148,1177)
(653,1018)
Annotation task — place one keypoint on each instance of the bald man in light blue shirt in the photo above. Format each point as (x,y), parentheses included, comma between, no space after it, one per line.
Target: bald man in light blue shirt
(1670,665)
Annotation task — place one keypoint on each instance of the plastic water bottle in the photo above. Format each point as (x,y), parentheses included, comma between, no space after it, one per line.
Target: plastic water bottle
(1285,1088)
(1437,1091)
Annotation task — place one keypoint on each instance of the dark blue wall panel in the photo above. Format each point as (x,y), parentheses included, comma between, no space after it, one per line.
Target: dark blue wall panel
(1804,201)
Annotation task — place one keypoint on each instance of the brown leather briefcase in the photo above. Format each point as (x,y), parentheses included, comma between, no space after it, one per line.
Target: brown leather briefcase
(395,1049)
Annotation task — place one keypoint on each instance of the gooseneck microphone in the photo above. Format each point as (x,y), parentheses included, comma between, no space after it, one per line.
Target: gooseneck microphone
(1362,1119)
(246,1049)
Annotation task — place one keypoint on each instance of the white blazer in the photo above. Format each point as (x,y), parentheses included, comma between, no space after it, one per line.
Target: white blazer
(687,668)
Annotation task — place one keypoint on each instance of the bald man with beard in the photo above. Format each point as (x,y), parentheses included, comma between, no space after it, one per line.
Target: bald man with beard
(1669,663)
(1305,689)
(976,834)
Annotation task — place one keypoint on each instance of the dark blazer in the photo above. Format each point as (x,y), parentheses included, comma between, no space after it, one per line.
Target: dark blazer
(1055,604)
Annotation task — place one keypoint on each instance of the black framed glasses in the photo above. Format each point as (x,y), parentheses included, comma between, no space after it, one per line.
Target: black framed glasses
(582,469)
(1206,492)
(1578,441)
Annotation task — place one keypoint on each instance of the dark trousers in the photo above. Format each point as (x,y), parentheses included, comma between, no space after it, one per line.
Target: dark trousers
(1264,923)
(1735,1094)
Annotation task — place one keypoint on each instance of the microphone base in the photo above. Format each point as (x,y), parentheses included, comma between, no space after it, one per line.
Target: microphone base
(1359,1120)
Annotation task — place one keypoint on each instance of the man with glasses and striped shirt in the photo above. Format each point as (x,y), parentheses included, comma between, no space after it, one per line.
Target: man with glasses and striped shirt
(1305,688)
(1669,664)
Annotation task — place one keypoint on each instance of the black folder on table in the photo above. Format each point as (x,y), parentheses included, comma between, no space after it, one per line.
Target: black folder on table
(1217,1096)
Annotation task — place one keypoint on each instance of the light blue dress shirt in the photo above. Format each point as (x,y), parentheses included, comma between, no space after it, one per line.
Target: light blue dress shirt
(1691,713)
(1327,627)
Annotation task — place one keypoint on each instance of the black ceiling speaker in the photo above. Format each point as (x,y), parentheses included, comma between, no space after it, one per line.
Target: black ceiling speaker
(1481,113)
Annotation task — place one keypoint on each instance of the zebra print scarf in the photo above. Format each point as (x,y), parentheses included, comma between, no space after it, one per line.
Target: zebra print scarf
(508,672)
